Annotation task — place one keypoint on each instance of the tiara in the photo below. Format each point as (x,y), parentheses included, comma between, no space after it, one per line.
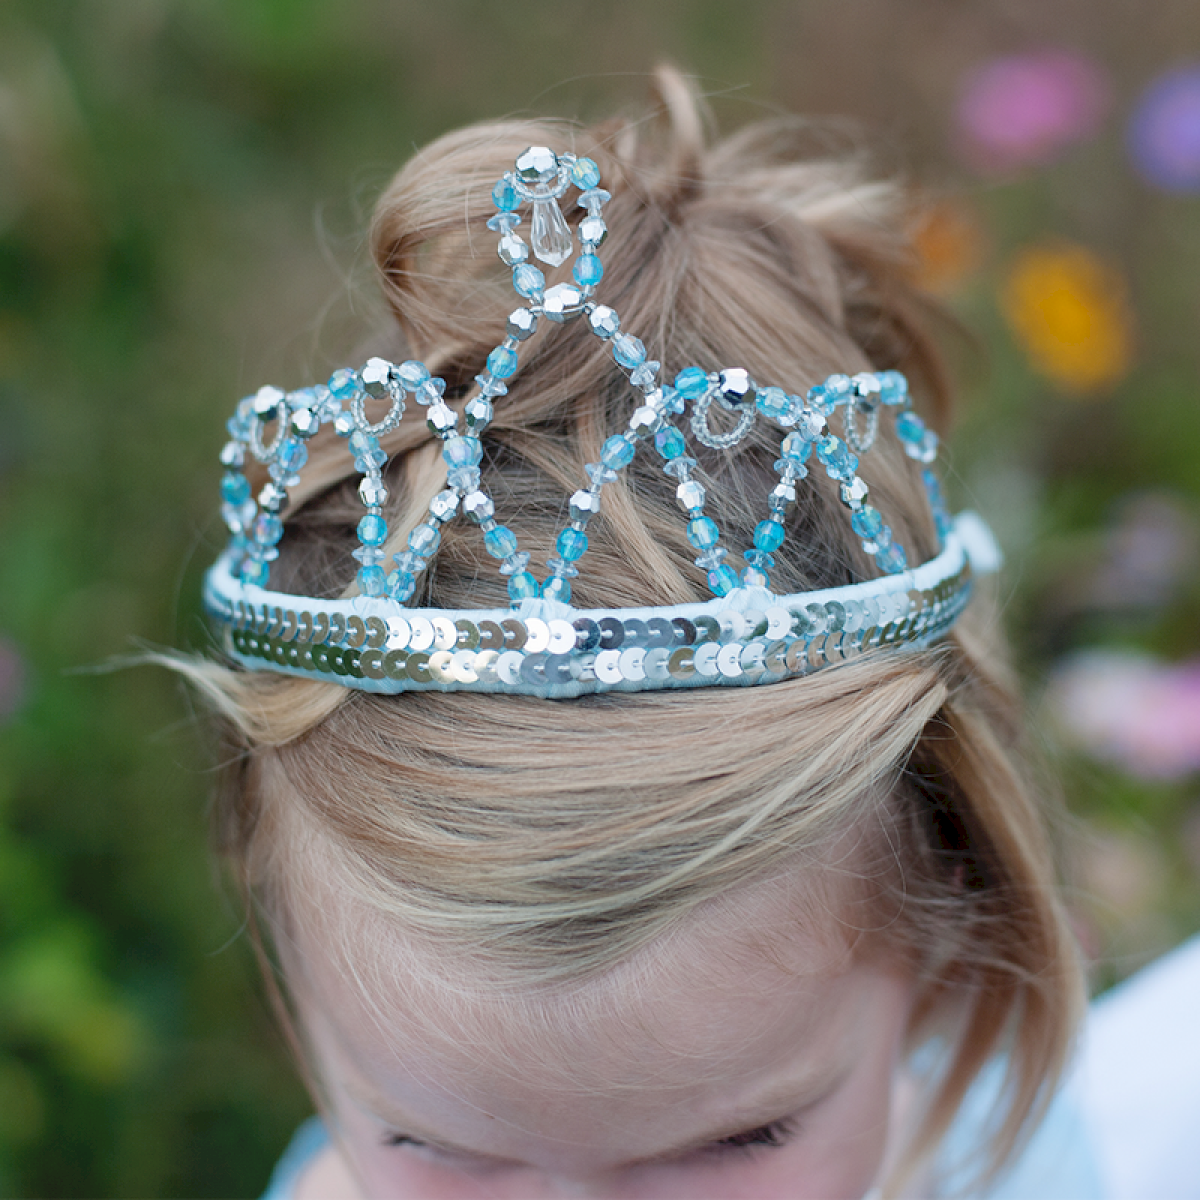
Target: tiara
(372,640)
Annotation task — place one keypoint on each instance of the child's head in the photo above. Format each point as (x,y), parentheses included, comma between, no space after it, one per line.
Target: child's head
(584,940)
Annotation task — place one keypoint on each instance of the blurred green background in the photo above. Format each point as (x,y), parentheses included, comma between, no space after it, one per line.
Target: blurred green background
(184,189)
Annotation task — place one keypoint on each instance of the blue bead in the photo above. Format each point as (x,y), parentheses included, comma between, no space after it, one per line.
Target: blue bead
(754,576)
(617,452)
(668,441)
(909,427)
(528,281)
(344,384)
(522,586)
(691,383)
(772,402)
(585,174)
(500,542)
(557,588)
(412,374)
(367,462)
(268,529)
(588,270)
(867,523)
(768,535)
(372,530)
(891,558)
(893,387)
(372,581)
(703,533)
(502,362)
(362,443)
(292,456)
(572,543)
(759,558)
(255,571)
(235,488)
(796,447)
(424,540)
(628,350)
(839,462)
(401,585)
(722,579)
(504,196)
(462,451)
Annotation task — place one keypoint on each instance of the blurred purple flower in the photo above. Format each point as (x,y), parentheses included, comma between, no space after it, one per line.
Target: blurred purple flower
(1131,710)
(12,680)
(1164,131)
(1025,109)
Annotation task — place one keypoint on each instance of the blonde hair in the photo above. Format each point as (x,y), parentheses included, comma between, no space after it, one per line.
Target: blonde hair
(556,838)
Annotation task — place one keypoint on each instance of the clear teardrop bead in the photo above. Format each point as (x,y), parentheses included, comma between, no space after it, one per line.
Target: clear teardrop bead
(550,235)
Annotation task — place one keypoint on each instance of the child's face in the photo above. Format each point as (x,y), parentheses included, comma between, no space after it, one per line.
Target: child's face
(741,1058)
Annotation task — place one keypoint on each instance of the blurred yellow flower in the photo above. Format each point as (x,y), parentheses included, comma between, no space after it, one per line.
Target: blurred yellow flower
(1069,310)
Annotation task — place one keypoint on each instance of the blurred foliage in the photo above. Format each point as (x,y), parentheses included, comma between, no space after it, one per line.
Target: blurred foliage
(184,186)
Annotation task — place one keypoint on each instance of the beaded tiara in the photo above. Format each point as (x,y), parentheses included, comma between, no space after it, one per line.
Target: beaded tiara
(746,634)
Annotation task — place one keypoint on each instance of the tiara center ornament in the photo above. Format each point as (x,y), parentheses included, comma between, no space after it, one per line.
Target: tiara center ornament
(372,639)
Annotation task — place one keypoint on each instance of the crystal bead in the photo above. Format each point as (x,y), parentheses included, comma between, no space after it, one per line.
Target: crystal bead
(617,452)
(512,249)
(268,529)
(272,497)
(233,455)
(691,383)
(368,555)
(515,563)
(604,321)
(594,199)
(672,401)
(782,494)
(440,418)
(909,427)
(584,505)
(854,492)
(372,581)
(702,532)
(528,281)
(810,424)
(490,386)
(891,559)
(645,421)
(668,441)
(504,222)
(690,494)
(462,451)
(430,391)
(560,566)
(796,447)
(401,585)
(557,588)
(835,455)
(425,539)
(772,402)
(867,522)
(370,462)
(237,517)
(893,387)
(588,270)
(267,400)
(549,233)
(444,505)
(362,443)
(599,474)
(502,362)
(628,350)
(522,586)
(562,302)
(722,580)
(372,530)
(344,384)
(838,388)
(584,173)
(537,164)
(644,374)
(754,576)
(344,424)
(235,489)
(926,450)
(504,196)
(292,456)
(478,412)
(735,386)
(304,423)
(768,535)
(255,571)
(521,323)
(409,562)
(500,542)
(714,556)
(372,492)
(593,231)
(572,543)
(759,558)
(412,374)
(679,467)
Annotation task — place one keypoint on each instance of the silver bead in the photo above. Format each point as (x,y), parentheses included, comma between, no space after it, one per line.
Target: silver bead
(512,249)
(604,321)
(372,492)
(233,455)
(266,401)
(690,494)
(784,493)
(810,424)
(444,505)
(343,424)
(866,384)
(478,412)
(478,506)
(440,417)
(593,230)
(538,164)
(735,386)
(584,505)
(562,302)
(521,323)
(377,380)
(305,422)
(272,497)
(645,421)
(855,492)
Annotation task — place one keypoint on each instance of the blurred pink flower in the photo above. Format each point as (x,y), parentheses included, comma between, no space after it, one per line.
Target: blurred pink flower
(1025,109)
(1164,131)
(1131,710)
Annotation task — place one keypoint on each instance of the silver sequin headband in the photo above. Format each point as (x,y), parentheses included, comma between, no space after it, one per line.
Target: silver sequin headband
(541,645)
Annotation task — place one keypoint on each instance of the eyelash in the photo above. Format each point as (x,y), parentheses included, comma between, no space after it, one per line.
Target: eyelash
(771,1136)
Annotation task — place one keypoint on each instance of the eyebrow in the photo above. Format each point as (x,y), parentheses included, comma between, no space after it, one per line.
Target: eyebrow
(790,1098)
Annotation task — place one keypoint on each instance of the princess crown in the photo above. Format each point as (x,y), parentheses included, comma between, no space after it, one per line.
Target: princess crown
(541,645)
